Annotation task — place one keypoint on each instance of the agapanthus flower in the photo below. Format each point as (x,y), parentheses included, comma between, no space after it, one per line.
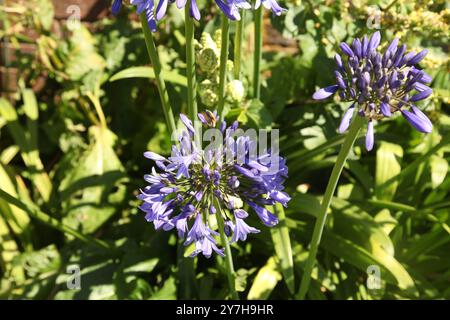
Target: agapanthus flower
(270,5)
(379,84)
(188,189)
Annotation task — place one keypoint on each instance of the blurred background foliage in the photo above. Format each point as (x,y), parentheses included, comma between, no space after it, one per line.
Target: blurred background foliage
(78,110)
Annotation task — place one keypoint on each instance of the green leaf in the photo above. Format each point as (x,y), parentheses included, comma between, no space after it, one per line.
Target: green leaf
(138,261)
(148,72)
(265,281)
(388,166)
(94,187)
(81,57)
(256,114)
(9,250)
(45,13)
(439,170)
(358,226)
(282,245)
(385,219)
(16,218)
(167,292)
(27,141)
(391,270)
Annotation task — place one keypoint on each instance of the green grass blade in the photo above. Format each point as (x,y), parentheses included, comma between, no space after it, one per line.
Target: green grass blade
(283,249)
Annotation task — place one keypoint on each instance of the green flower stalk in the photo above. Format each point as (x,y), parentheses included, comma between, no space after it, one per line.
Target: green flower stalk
(154,59)
(257,55)
(223,62)
(238,40)
(190,66)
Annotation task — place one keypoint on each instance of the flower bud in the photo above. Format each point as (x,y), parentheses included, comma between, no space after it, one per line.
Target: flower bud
(235,91)
(208,92)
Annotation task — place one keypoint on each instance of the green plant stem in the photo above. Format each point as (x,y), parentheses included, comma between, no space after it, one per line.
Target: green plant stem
(154,59)
(52,222)
(326,201)
(231,276)
(258,17)
(238,40)
(223,63)
(190,68)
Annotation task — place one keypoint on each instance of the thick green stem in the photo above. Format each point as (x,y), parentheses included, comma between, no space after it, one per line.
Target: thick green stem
(238,40)
(231,276)
(326,201)
(258,17)
(224,47)
(190,67)
(154,59)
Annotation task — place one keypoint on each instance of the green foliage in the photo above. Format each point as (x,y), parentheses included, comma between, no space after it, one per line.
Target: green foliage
(71,162)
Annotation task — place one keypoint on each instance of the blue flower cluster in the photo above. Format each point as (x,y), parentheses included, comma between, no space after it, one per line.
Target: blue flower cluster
(229,7)
(380,84)
(194,187)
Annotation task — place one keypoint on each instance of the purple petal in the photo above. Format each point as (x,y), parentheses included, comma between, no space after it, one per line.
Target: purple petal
(393,47)
(369,136)
(374,41)
(418,57)
(195,13)
(267,217)
(357,47)
(426,78)
(181,3)
(274,6)
(418,122)
(421,95)
(154,156)
(345,122)
(346,49)
(325,92)
(151,21)
(226,9)
(117,4)
(161,9)
(365,46)
(187,123)
(422,116)
(420,87)
(338,60)
(386,109)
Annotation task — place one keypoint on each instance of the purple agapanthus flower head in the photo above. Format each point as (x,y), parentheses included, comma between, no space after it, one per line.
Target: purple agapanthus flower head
(194,186)
(379,84)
